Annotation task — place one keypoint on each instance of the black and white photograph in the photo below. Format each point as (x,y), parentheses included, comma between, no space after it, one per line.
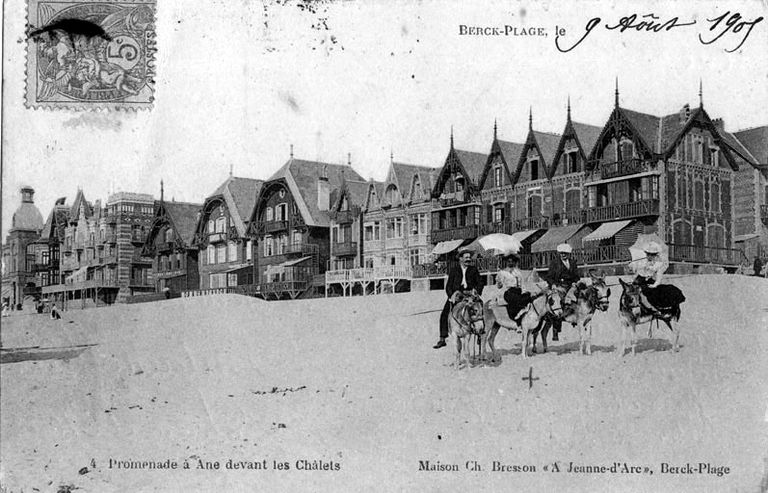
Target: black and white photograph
(357,245)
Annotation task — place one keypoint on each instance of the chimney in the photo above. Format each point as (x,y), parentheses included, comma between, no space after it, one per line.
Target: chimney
(323,191)
(685,113)
(26,194)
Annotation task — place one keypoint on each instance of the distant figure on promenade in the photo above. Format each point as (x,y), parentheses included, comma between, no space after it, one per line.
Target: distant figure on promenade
(463,277)
(55,315)
(757,267)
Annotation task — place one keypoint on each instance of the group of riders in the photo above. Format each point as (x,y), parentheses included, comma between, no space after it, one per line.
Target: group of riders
(563,272)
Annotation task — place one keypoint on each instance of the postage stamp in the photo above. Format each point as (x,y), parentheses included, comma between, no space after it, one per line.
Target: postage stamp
(89,54)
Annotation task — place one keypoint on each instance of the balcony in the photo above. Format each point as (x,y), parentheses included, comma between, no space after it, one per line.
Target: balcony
(626,210)
(624,168)
(301,249)
(345,217)
(275,226)
(217,237)
(764,214)
(458,233)
(346,248)
(452,198)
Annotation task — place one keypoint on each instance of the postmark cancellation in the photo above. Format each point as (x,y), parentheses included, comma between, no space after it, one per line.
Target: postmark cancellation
(90,54)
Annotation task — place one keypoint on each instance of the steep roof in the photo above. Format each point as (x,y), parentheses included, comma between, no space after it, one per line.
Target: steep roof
(240,195)
(404,174)
(474,164)
(756,142)
(511,152)
(647,127)
(587,135)
(302,177)
(184,217)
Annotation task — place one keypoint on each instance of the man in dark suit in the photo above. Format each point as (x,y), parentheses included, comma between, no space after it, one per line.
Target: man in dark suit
(462,277)
(563,272)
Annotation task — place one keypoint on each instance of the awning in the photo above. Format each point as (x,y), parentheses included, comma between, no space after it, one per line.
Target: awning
(446,247)
(294,262)
(522,235)
(606,230)
(555,236)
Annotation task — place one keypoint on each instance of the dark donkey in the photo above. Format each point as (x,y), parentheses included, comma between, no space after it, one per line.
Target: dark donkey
(588,300)
(631,313)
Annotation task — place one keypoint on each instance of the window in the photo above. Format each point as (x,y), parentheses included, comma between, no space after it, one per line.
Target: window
(221,253)
(270,214)
(534,165)
(394,227)
(232,253)
(415,257)
(497,176)
(498,214)
(281,212)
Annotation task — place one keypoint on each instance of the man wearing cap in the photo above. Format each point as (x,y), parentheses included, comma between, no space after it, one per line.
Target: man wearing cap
(649,271)
(563,272)
(461,277)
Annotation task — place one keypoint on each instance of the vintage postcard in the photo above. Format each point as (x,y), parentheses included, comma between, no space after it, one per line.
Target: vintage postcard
(384,246)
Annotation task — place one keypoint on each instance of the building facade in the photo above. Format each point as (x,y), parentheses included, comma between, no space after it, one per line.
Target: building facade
(170,244)
(18,279)
(225,251)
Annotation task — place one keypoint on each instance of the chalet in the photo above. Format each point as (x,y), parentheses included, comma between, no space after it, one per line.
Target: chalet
(291,220)
(750,149)
(225,251)
(670,175)
(456,207)
(101,259)
(170,243)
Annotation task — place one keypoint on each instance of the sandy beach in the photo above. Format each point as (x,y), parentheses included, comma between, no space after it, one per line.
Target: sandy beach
(347,394)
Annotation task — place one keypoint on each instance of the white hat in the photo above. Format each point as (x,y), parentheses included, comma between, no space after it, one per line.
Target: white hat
(652,248)
(564,248)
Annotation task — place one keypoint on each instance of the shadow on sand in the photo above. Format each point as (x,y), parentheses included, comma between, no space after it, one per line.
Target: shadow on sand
(18,355)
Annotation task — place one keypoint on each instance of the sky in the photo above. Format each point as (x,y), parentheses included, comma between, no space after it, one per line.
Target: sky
(239,82)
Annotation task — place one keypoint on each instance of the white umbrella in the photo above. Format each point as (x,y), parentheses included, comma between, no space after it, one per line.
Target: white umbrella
(499,243)
(637,251)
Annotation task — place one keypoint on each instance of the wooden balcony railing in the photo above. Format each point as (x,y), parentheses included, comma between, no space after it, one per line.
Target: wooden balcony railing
(346,248)
(458,233)
(275,226)
(624,168)
(626,210)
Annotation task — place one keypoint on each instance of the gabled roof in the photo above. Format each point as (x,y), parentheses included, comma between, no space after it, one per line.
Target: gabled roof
(183,217)
(240,196)
(74,212)
(302,177)
(756,142)
(473,163)
(587,135)
(404,174)
(647,127)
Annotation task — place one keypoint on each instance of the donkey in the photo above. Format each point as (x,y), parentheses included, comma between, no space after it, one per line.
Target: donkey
(466,319)
(589,299)
(632,313)
(549,301)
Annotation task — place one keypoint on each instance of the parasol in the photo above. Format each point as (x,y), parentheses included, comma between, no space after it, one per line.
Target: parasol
(498,243)
(637,251)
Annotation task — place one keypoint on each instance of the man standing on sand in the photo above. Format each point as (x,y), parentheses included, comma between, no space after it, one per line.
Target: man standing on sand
(563,272)
(462,277)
